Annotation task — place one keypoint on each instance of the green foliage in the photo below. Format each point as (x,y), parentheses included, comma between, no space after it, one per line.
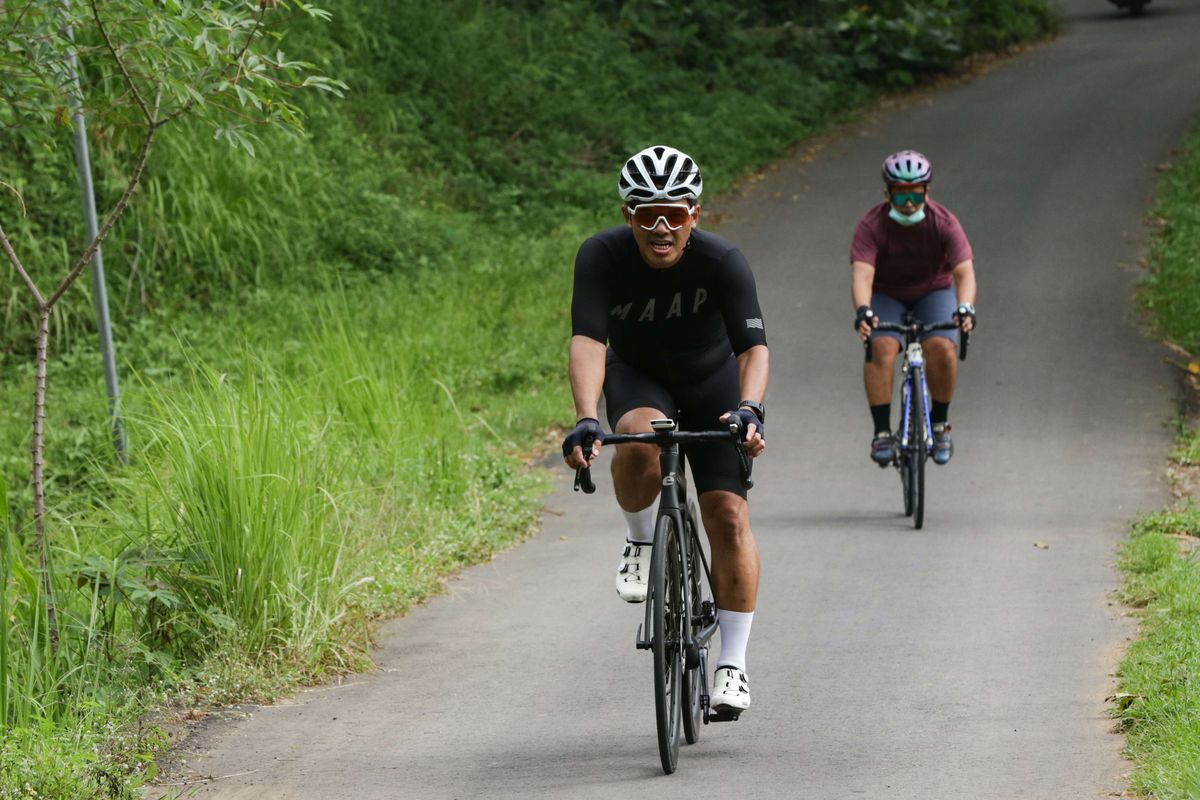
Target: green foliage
(898,46)
(144,62)
(995,24)
(91,763)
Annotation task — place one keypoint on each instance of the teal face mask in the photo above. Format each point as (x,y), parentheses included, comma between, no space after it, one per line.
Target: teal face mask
(907,219)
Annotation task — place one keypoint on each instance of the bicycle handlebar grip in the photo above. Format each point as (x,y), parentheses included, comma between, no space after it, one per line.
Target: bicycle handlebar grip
(583,480)
(964,339)
(867,350)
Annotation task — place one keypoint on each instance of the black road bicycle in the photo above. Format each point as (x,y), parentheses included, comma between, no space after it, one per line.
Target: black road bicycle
(681,616)
(915,434)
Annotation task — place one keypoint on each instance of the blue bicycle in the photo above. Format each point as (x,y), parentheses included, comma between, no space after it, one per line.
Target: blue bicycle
(915,434)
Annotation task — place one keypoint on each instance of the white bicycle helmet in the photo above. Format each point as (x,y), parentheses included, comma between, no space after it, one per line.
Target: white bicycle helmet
(907,166)
(659,173)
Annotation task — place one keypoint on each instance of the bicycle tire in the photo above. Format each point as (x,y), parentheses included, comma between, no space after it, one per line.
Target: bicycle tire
(666,599)
(693,713)
(905,461)
(920,446)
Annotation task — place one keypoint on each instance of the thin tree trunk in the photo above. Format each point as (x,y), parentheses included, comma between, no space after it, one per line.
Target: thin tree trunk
(39,490)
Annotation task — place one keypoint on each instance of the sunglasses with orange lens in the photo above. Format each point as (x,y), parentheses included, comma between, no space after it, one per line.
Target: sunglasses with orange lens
(647,216)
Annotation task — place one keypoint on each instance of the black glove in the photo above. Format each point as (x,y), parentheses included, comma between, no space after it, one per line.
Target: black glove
(863,314)
(587,431)
(964,311)
(748,418)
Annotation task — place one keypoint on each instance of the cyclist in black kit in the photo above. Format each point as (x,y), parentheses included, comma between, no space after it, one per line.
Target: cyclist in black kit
(665,318)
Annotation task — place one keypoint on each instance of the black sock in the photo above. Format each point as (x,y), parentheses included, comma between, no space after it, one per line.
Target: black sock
(881,415)
(939,412)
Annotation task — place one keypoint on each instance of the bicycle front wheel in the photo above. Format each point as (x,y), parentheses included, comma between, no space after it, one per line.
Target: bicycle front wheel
(906,456)
(668,619)
(920,447)
(692,712)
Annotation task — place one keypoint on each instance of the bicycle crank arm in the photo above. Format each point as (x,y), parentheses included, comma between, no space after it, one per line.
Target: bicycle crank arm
(640,643)
(705,698)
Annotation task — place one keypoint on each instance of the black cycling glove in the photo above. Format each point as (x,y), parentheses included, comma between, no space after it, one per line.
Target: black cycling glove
(587,431)
(863,314)
(964,311)
(748,418)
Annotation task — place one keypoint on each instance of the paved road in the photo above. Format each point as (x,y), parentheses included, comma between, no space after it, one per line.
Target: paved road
(960,661)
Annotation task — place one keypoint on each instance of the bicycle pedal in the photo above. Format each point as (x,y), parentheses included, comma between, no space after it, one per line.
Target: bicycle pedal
(724,715)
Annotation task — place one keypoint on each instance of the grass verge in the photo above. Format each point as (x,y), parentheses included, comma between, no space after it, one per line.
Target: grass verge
(1158,704)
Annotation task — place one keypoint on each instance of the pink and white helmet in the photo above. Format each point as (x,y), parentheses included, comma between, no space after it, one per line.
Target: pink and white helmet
(907,166)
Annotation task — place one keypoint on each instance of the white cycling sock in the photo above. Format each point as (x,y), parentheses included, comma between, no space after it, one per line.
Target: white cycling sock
(735,634)
(641,524)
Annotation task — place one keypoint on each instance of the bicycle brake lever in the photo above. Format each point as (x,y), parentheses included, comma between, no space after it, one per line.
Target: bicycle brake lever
(583,480)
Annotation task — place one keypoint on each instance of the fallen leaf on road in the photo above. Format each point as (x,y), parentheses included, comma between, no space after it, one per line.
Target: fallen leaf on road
(1041,545)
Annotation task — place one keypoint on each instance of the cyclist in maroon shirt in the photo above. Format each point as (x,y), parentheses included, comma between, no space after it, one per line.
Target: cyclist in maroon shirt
(910,253)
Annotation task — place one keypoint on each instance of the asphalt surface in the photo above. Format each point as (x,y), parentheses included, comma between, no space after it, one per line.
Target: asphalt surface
(960,661)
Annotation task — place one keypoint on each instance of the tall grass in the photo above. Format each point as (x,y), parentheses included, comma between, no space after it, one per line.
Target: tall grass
(245,482)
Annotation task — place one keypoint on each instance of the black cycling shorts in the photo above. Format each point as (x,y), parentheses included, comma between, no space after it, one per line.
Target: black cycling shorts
(695,405)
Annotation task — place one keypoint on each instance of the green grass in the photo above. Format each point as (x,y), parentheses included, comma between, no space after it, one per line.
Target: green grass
(1170,291)
(1159,678)
(1159,700)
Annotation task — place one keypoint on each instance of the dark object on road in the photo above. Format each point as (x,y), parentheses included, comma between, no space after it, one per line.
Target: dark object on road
(1135,6)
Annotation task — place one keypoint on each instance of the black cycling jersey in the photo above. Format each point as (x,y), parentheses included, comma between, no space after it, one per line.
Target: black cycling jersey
(680,323)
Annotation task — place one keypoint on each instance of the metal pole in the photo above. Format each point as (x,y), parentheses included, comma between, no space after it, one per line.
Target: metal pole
(99,290)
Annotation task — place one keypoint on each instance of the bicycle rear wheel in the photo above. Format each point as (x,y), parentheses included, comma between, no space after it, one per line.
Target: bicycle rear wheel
(692,679)
(920,447)
(667,618)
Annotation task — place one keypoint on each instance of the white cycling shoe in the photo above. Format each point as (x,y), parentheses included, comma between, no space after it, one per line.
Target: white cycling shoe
(633,571)
(731,691)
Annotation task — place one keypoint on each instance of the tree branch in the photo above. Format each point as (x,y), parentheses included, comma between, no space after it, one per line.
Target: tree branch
(20,16)
(110,220)
(121,64)
(241,59)
(16,262)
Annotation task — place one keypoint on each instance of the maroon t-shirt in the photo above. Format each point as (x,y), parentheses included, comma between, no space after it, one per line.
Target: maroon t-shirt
(910,261)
